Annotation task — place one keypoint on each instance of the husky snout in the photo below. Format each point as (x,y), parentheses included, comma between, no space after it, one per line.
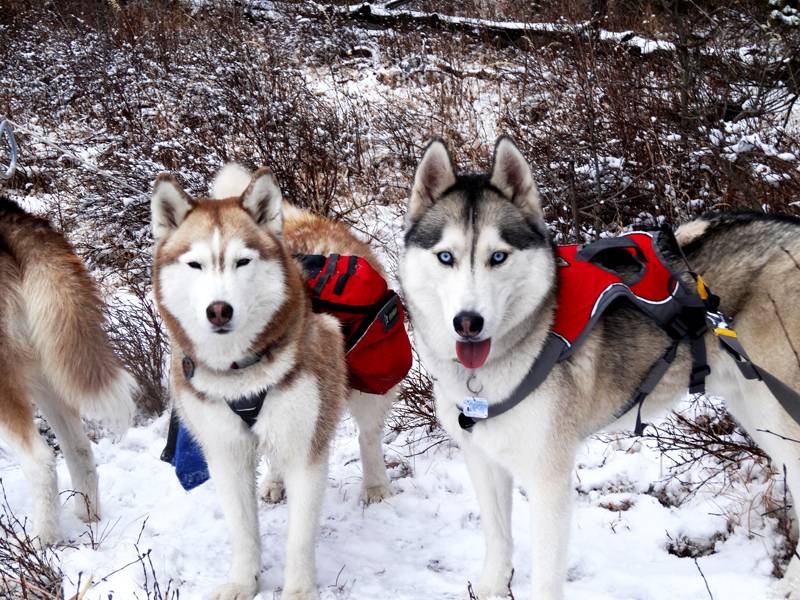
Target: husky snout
(468,324)
(219,314)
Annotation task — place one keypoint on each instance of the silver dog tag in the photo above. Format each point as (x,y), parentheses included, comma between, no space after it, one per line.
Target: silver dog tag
(475,408)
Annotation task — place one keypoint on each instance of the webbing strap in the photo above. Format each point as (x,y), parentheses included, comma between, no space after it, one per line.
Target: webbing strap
(352,263)
(654,375)
(700,368)
(329,270)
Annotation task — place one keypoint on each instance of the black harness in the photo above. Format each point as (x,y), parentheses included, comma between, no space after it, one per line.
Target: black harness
(246,407)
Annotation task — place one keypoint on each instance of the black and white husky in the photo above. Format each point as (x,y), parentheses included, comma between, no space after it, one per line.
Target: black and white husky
(479,275)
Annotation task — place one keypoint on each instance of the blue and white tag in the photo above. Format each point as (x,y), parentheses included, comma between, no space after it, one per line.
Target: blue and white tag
(475,408)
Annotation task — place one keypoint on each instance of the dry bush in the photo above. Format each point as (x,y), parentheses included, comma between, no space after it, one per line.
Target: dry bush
(27,571)
(616,137)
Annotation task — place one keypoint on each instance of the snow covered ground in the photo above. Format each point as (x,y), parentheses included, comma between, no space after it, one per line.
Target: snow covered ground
(425,542)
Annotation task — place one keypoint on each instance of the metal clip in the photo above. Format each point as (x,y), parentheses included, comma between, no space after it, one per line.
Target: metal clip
(7,131)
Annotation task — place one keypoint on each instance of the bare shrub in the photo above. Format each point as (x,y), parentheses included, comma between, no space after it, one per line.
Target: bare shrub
(28,571)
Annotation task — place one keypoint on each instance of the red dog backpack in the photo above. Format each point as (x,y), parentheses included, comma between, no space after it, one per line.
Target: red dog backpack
(371,314)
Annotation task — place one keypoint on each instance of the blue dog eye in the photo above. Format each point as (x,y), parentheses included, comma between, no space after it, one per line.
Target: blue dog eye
(497,258)
(445,258)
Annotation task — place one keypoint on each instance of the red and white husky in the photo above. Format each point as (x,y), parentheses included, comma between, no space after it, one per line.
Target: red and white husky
(232,295)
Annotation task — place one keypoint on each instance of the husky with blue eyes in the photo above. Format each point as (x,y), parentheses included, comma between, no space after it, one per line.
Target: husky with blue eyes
(253,368)
(480,275)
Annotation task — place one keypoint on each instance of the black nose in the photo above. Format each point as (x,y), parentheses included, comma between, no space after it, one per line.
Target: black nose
(468,324)
(219,313)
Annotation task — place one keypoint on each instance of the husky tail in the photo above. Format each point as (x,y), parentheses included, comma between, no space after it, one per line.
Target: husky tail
(63,312)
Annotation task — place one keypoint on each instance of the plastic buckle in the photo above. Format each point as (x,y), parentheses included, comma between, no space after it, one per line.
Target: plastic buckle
(389,314)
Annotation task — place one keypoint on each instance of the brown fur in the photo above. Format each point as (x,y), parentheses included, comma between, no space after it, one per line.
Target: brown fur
(16,412)
(307,233)
(59,314)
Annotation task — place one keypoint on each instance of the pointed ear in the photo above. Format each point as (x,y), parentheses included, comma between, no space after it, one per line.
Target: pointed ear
(263,200)
(512,175)
(435,174)
(168,206)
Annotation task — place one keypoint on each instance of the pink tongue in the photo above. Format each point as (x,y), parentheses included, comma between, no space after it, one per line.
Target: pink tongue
(473,354)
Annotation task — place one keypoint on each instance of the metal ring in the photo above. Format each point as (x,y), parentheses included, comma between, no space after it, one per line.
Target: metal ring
(8,131)
(469,386)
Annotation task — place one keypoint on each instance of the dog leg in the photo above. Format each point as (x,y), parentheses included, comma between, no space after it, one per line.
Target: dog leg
(231,453)
(493,486)
(36,458)
(67,425)
(370,413)
(754,407)
(305,487)
(549,488)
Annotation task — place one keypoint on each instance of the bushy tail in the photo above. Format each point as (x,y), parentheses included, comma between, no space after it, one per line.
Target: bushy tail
(65,320)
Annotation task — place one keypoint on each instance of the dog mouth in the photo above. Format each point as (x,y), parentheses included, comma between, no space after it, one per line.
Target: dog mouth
(472,354)
(222,330)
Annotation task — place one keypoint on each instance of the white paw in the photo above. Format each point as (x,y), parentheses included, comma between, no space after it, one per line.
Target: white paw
(47,534)
(488,593)
(300,595)
(86,510)
(273,492)
(787,588)
(376,493)
(234,591)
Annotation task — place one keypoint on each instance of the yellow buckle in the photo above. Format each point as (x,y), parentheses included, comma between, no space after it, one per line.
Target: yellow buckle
(701,288)
(725,331)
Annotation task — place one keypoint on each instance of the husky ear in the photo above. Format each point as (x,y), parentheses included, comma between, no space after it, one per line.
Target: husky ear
(263,200)
(168,206)
(511,174)
(435,174)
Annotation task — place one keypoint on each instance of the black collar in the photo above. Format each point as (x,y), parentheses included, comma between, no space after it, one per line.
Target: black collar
(247,407)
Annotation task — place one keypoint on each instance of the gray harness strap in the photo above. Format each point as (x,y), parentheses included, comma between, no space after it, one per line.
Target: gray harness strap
(551,353)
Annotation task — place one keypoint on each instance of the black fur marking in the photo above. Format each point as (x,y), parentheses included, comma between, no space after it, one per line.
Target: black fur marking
(427,230)
(522,234)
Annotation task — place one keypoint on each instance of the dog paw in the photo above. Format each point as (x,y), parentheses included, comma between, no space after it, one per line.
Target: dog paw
(273,492)
(86,511)
(234,591)
(48,535)
(490,591)
(376,493)
(486,595)
(300,595)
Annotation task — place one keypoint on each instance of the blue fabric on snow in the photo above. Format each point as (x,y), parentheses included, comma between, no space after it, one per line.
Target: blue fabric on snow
(189,462)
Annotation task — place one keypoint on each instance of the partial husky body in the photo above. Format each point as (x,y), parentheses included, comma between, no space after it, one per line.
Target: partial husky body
(57,356)
(482,240)
(230,290)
